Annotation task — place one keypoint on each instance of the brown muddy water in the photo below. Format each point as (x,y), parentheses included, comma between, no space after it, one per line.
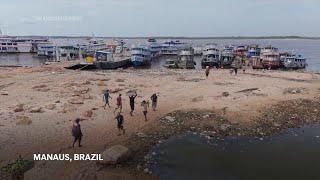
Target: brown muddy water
(292,155)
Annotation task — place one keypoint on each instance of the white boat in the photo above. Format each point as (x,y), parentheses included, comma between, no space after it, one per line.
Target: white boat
(186,58)
(210,56)
(292,61)
(140,56)
(227,56)
(270,57)
(93,45)
(154,47)
(171,48)
(46,49)
(9,44)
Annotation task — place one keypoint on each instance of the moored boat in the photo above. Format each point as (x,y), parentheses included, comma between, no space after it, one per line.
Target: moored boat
(210,56)
(270,57)
(227,57)
(186,58)
(155,48)
(292,61)
(140,56)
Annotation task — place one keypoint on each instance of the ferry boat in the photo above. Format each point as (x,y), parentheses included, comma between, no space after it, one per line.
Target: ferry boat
(9,44)
(140,56)
(270,57)
(240,51)
(171,48)
(292,61)
(186,58)
(154,47)
(210,56)
(227,56)
(93,45)
(46,49)
(253,51)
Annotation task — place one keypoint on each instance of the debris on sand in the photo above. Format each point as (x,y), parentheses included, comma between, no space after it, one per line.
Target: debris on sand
(76,101)
(35,110)
(294,90)
(247,90)
(19,108)
(225,94)
(119,80)
(50,106)
(116,90)
(23,120)
(41,88)
(197,99)
(191,79)
(115,155)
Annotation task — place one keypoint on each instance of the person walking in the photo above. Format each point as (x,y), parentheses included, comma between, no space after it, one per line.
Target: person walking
(207,71)
(76,132)
(154,100)
(132,98)
(106,97)
(145,106)
(120,122)
(119,103)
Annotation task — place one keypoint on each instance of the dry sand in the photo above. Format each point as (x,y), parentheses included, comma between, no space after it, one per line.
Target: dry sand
(57,96)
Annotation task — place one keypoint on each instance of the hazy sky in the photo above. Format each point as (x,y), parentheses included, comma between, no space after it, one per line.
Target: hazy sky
(160,17)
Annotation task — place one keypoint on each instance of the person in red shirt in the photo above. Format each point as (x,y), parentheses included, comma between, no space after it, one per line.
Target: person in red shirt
(119,103)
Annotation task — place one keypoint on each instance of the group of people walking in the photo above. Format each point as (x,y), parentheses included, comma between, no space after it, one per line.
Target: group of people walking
(76,129)
(132,97)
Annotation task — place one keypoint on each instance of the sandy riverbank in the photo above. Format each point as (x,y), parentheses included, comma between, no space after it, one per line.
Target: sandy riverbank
(57,96)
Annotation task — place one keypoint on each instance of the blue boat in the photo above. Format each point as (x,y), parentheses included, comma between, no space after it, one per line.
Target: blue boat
(140,56)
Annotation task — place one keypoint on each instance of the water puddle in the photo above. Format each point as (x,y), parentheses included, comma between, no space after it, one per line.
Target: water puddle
(294,154)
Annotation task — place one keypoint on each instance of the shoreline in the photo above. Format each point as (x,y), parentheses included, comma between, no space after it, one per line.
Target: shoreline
(221,103)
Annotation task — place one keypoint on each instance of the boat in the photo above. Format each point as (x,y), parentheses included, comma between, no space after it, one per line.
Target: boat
(240,51)
(270,57)
(94,45)
(227,56)
(171,48)
(154,47)
(292,61)
(170,63)
(210,56)
(140,56)
(186,58)
(253,51)
(46,50)
(10,44)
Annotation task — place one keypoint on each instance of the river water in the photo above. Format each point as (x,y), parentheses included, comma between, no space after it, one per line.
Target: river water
(292,155)
(308,48)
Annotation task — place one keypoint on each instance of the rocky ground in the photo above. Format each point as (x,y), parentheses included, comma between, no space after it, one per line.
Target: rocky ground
(39,104)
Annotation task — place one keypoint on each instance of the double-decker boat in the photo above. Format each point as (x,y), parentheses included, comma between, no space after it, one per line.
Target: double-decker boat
(186,58)
(253,51)
(171,48)
(140,56)
(227,56)
(270,57)
(155,48)
(9,44)
(210,56)
(292,61)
